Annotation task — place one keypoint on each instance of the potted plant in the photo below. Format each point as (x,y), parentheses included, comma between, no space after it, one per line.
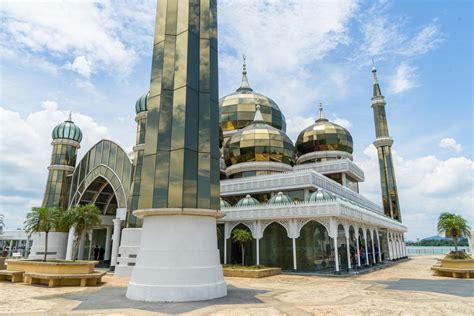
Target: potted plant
(242,236)
(83,218)
(43,219)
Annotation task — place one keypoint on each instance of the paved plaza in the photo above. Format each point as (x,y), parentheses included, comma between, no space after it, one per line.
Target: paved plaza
(407,288)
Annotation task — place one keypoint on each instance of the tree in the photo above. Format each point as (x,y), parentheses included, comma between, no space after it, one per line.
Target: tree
(2,223)
(453,226)
(241,236)
(83,218)
(42,219)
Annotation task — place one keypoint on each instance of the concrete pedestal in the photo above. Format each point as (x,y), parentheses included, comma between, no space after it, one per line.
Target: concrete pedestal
(57,243)
(128,251)
(178,260)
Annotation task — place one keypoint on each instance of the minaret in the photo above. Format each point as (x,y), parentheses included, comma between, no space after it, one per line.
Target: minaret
(178,198)
(383,143)
(66,141)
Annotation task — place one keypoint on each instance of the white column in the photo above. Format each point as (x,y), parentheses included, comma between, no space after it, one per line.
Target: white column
(366,248)
(116,241)
(395,243)
(80,254)
(108,243)
(344,180)
(336,254)
(70,242)
(258,250)
(348,253)
(294,253)
(225,250)
(373,245)
(89,233)
(378,245)
(389,242)
(358,250)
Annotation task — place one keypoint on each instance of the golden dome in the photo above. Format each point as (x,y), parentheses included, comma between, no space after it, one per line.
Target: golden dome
(237,109)
(259,142)
(324,135)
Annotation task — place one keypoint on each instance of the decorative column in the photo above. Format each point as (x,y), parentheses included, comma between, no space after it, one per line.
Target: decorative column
(378,245)
(373,245)
(346,234)
(366,247)
(336,253)
(294,253)
(389,242)
(70,242)
(116,241)
(357,245)
(395,244)
(178,198)
(226,236)
(108,242)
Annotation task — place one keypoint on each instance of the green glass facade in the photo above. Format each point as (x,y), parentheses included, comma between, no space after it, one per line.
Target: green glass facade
(181,157)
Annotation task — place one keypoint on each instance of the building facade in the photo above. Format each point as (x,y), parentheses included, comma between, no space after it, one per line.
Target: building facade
(300,202)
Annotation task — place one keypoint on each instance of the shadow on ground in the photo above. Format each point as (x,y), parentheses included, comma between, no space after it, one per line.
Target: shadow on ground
(114,298)
(463,288)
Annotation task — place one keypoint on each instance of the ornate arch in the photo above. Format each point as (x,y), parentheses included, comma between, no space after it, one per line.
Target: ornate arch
(105,160)
(300,223)
(283,222)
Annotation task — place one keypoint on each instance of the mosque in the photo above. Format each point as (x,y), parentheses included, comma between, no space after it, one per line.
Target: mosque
(300,202)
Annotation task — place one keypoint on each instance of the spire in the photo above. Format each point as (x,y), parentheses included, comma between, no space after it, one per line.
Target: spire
(321,113)
(244,85)
(258,115)
(377,92)
(70,117)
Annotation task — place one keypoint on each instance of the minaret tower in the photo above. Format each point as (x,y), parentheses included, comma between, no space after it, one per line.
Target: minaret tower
(383,143)
(178,198)
(66,141)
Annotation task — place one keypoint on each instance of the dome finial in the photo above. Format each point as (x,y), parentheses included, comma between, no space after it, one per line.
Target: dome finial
(321,113)
(377,91)
(244,84)
(70,117)
(258,115)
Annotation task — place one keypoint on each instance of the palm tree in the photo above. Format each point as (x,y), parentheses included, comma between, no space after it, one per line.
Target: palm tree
(241,236)
(453,226)
(42,219)
(83,217)
(2,223)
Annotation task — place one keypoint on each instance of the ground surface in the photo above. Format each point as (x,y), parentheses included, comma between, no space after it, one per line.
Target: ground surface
(407,288)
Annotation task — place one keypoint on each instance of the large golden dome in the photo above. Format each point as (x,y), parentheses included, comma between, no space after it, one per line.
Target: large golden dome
(324,135)
(237,109)
(259,142)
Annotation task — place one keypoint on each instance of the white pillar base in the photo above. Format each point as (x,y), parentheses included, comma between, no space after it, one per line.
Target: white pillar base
(128,250)
(57,244)
(178,260)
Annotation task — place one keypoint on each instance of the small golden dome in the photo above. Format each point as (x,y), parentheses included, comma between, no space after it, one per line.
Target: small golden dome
(259,142)
(237,109)
(324,135)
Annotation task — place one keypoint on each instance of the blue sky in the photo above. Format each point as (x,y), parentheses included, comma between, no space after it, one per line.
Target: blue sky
(93,58)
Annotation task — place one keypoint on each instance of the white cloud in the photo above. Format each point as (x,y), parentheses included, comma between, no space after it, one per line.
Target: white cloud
(25,151)
(57,31)
(295,124)
(281,40)
(404,79)
(427,186)
(80,65)
(429,38)
(342,121)
(450,143)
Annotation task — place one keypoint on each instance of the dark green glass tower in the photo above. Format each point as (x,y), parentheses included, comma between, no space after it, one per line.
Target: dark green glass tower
(66,141)
(180,167)
(383,143)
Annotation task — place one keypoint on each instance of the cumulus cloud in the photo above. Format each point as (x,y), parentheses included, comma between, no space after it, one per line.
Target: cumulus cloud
(427,186)
(342,121)
(451,144)
(80,65)
(404,79)
(295,124)
(58,31)
(25,151)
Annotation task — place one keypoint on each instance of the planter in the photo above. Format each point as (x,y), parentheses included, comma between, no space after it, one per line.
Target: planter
(77,267)
(458,263)
(251,273)
(57,243)
(2,263)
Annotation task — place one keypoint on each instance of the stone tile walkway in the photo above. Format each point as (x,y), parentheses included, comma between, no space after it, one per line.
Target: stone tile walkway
(407,288)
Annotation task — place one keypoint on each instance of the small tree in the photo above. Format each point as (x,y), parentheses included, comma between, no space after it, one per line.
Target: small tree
(242,236)
(83,218)
(2,223)
(42,219)
(453,226)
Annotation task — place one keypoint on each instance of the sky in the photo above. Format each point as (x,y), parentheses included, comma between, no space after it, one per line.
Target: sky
(94,57)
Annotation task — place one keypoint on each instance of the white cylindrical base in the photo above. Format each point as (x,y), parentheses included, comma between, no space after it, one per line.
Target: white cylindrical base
(129,246)
(57,243)
(178,260)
